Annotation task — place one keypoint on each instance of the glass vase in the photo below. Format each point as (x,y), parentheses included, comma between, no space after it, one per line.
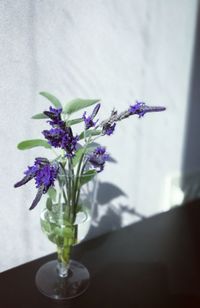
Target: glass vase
(65,278)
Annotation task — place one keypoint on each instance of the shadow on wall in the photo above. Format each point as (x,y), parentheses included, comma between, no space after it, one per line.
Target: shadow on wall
(191,154)
(106,215)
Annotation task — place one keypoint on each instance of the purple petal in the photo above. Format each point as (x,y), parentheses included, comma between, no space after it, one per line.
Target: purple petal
(37,197)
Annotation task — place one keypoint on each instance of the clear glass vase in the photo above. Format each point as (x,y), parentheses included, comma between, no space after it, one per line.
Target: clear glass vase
(64,278)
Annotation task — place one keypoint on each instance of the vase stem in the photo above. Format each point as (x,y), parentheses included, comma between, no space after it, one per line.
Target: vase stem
(63,260)
(63,269)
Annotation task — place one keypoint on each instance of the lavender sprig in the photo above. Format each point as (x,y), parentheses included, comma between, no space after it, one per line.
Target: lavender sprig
(139,109)
(44,173)
(61,135)
(82,161)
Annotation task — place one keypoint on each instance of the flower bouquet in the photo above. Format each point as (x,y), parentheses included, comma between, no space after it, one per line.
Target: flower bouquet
(78,159)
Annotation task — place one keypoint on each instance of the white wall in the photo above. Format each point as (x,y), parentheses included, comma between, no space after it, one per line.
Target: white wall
(115,50)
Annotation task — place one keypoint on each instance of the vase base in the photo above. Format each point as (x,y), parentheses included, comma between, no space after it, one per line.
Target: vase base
(50,284)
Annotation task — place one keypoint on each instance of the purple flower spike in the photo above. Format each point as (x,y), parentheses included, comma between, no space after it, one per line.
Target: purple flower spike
(31,172)
(44,174)
(69,142)
(62,138)
(55,116)
(98,158)
(89,120)
(54,136)
(141,108)
(37,198)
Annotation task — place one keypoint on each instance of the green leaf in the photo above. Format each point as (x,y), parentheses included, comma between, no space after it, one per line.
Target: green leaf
(87,176)
(52,237)
(74,121)
(89,133)
(78,104)
(92,146)
(46,227)
(67,232)
(49,204)
(39,116)
(77,156)
(52,193)
(29,144)
(54,100)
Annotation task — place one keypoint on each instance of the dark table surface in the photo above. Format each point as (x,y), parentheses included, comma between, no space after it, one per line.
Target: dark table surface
(152,263)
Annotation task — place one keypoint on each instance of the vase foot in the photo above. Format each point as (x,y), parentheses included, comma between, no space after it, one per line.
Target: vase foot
(52,285)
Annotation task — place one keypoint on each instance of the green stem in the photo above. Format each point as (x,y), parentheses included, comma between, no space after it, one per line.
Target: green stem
(64,252)
(70,191)
(64,195)
(79,174)
(61,184)
(71,177)
(76,186)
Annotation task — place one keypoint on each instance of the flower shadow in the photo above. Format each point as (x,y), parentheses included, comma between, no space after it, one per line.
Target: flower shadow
(108,210)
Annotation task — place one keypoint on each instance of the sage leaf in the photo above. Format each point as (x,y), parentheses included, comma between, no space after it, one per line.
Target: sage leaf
(74,121)
(82,150)
(54,100)
(92,146)
(87,176)
(78,104)
(52,237)
(29,144)
(46,227)
(49,204)
(39,116)
(89,133)
(52,193)
(77,156)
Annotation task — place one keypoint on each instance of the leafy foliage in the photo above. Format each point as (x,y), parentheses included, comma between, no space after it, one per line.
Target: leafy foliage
(78,104)
(39,116)
(74,121)
(54,100)
(29,144)
(89,133)
(87,176)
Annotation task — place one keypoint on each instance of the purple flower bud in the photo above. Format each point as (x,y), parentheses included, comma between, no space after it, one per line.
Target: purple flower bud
(55,116)
(98,158)
(89,121)
(109,129)
(95,110)
(141,108)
